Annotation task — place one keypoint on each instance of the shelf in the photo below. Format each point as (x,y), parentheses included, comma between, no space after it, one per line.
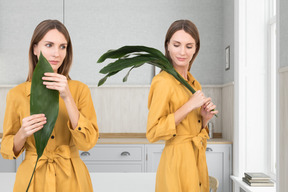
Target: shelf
(238,183)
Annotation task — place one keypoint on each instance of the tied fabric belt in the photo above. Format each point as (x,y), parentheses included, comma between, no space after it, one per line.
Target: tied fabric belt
(200,142)
(60,157)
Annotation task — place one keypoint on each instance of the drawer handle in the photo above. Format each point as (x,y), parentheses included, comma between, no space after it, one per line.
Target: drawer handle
(125,153)
(209,149)
(85,154)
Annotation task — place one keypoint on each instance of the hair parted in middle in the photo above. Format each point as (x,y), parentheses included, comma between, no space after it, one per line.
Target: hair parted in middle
(189,28)
(39,32)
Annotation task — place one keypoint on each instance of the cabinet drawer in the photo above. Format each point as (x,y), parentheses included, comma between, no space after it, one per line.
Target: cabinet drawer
(113,153)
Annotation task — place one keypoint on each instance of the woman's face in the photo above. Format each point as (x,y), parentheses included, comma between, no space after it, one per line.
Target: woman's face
(181,48)
(53,47)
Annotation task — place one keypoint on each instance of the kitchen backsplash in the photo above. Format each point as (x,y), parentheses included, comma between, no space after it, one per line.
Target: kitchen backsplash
(123,109)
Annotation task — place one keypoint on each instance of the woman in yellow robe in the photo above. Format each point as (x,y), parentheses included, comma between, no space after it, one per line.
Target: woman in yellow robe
(180,118)
(60,167)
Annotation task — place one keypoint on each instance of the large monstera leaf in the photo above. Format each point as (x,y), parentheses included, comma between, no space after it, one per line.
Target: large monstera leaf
(43,100)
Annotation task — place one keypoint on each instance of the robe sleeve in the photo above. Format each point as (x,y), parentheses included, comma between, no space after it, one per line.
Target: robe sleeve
(86,134)
(161,122)
(11,126)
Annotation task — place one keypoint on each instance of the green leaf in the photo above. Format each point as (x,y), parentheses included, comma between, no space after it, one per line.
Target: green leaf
(43,100)
(121,52)
(125,63)
(126,76)
(102,81)
(136,56)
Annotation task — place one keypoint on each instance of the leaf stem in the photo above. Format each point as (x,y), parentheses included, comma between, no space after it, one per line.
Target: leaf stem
(32,174)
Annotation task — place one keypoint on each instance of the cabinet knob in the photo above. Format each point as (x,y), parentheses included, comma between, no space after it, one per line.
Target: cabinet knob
(85,154)
(125,153)
(209,149)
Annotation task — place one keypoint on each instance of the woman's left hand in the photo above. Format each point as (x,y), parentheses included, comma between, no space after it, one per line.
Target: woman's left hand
(57,82)
(207,110)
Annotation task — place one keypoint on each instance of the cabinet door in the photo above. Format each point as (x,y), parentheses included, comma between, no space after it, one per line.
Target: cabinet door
(114,158)
(219,164)
(153,155)
(7,165)
(10,165)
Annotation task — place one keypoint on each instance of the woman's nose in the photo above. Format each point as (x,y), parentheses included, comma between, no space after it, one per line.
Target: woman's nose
(56,52)
(182,50)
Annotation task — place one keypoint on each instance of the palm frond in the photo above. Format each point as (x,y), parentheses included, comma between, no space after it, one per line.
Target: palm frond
(136,56)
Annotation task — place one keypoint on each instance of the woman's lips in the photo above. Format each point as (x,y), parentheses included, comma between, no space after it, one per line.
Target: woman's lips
(53,62)
(181,59)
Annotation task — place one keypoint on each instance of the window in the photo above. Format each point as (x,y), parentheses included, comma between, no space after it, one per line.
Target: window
(272,89)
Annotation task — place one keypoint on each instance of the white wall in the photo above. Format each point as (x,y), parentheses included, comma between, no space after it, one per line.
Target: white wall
(18,20)
(124,109)
(282,166)
(228,39)
(283,31)
(96,26)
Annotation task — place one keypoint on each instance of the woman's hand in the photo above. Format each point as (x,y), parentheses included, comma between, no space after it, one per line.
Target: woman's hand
(208,111)
(57,82)
(197,100)
(32,124)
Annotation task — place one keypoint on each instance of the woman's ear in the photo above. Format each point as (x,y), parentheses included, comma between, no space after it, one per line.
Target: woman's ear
(167,45)
(35,49)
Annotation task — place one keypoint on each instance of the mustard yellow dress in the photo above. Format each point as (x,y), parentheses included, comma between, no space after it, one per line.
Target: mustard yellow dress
(182,166)
(60,167)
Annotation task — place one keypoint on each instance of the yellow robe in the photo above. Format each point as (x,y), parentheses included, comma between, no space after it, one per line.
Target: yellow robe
(60,167)
(182,166)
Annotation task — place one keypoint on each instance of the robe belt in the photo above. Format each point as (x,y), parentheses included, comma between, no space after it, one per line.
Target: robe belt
(61,157)
(200,142)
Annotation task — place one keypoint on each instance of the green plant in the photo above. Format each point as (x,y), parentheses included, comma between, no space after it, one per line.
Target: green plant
(136,56)
(43,100)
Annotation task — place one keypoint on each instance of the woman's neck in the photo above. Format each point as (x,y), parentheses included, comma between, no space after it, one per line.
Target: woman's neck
(183,71)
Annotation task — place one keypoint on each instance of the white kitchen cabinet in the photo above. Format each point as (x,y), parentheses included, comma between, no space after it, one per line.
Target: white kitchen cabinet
(115,158)
(143,158)
(153,155)
(7,165)
(10,165)
(219,162)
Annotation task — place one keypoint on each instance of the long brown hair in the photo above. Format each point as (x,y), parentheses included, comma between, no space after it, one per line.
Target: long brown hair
(39,32)
(189,28)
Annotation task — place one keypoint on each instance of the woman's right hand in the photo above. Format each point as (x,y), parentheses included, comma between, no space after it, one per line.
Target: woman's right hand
(32,124)
(197,100)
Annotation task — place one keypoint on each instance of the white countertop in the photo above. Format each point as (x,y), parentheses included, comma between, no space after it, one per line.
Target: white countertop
(145,141)
(102,182)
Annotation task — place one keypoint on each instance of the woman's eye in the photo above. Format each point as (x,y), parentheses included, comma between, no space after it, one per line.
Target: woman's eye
(49,45)
(189,47)
(176,45)
(63,47)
